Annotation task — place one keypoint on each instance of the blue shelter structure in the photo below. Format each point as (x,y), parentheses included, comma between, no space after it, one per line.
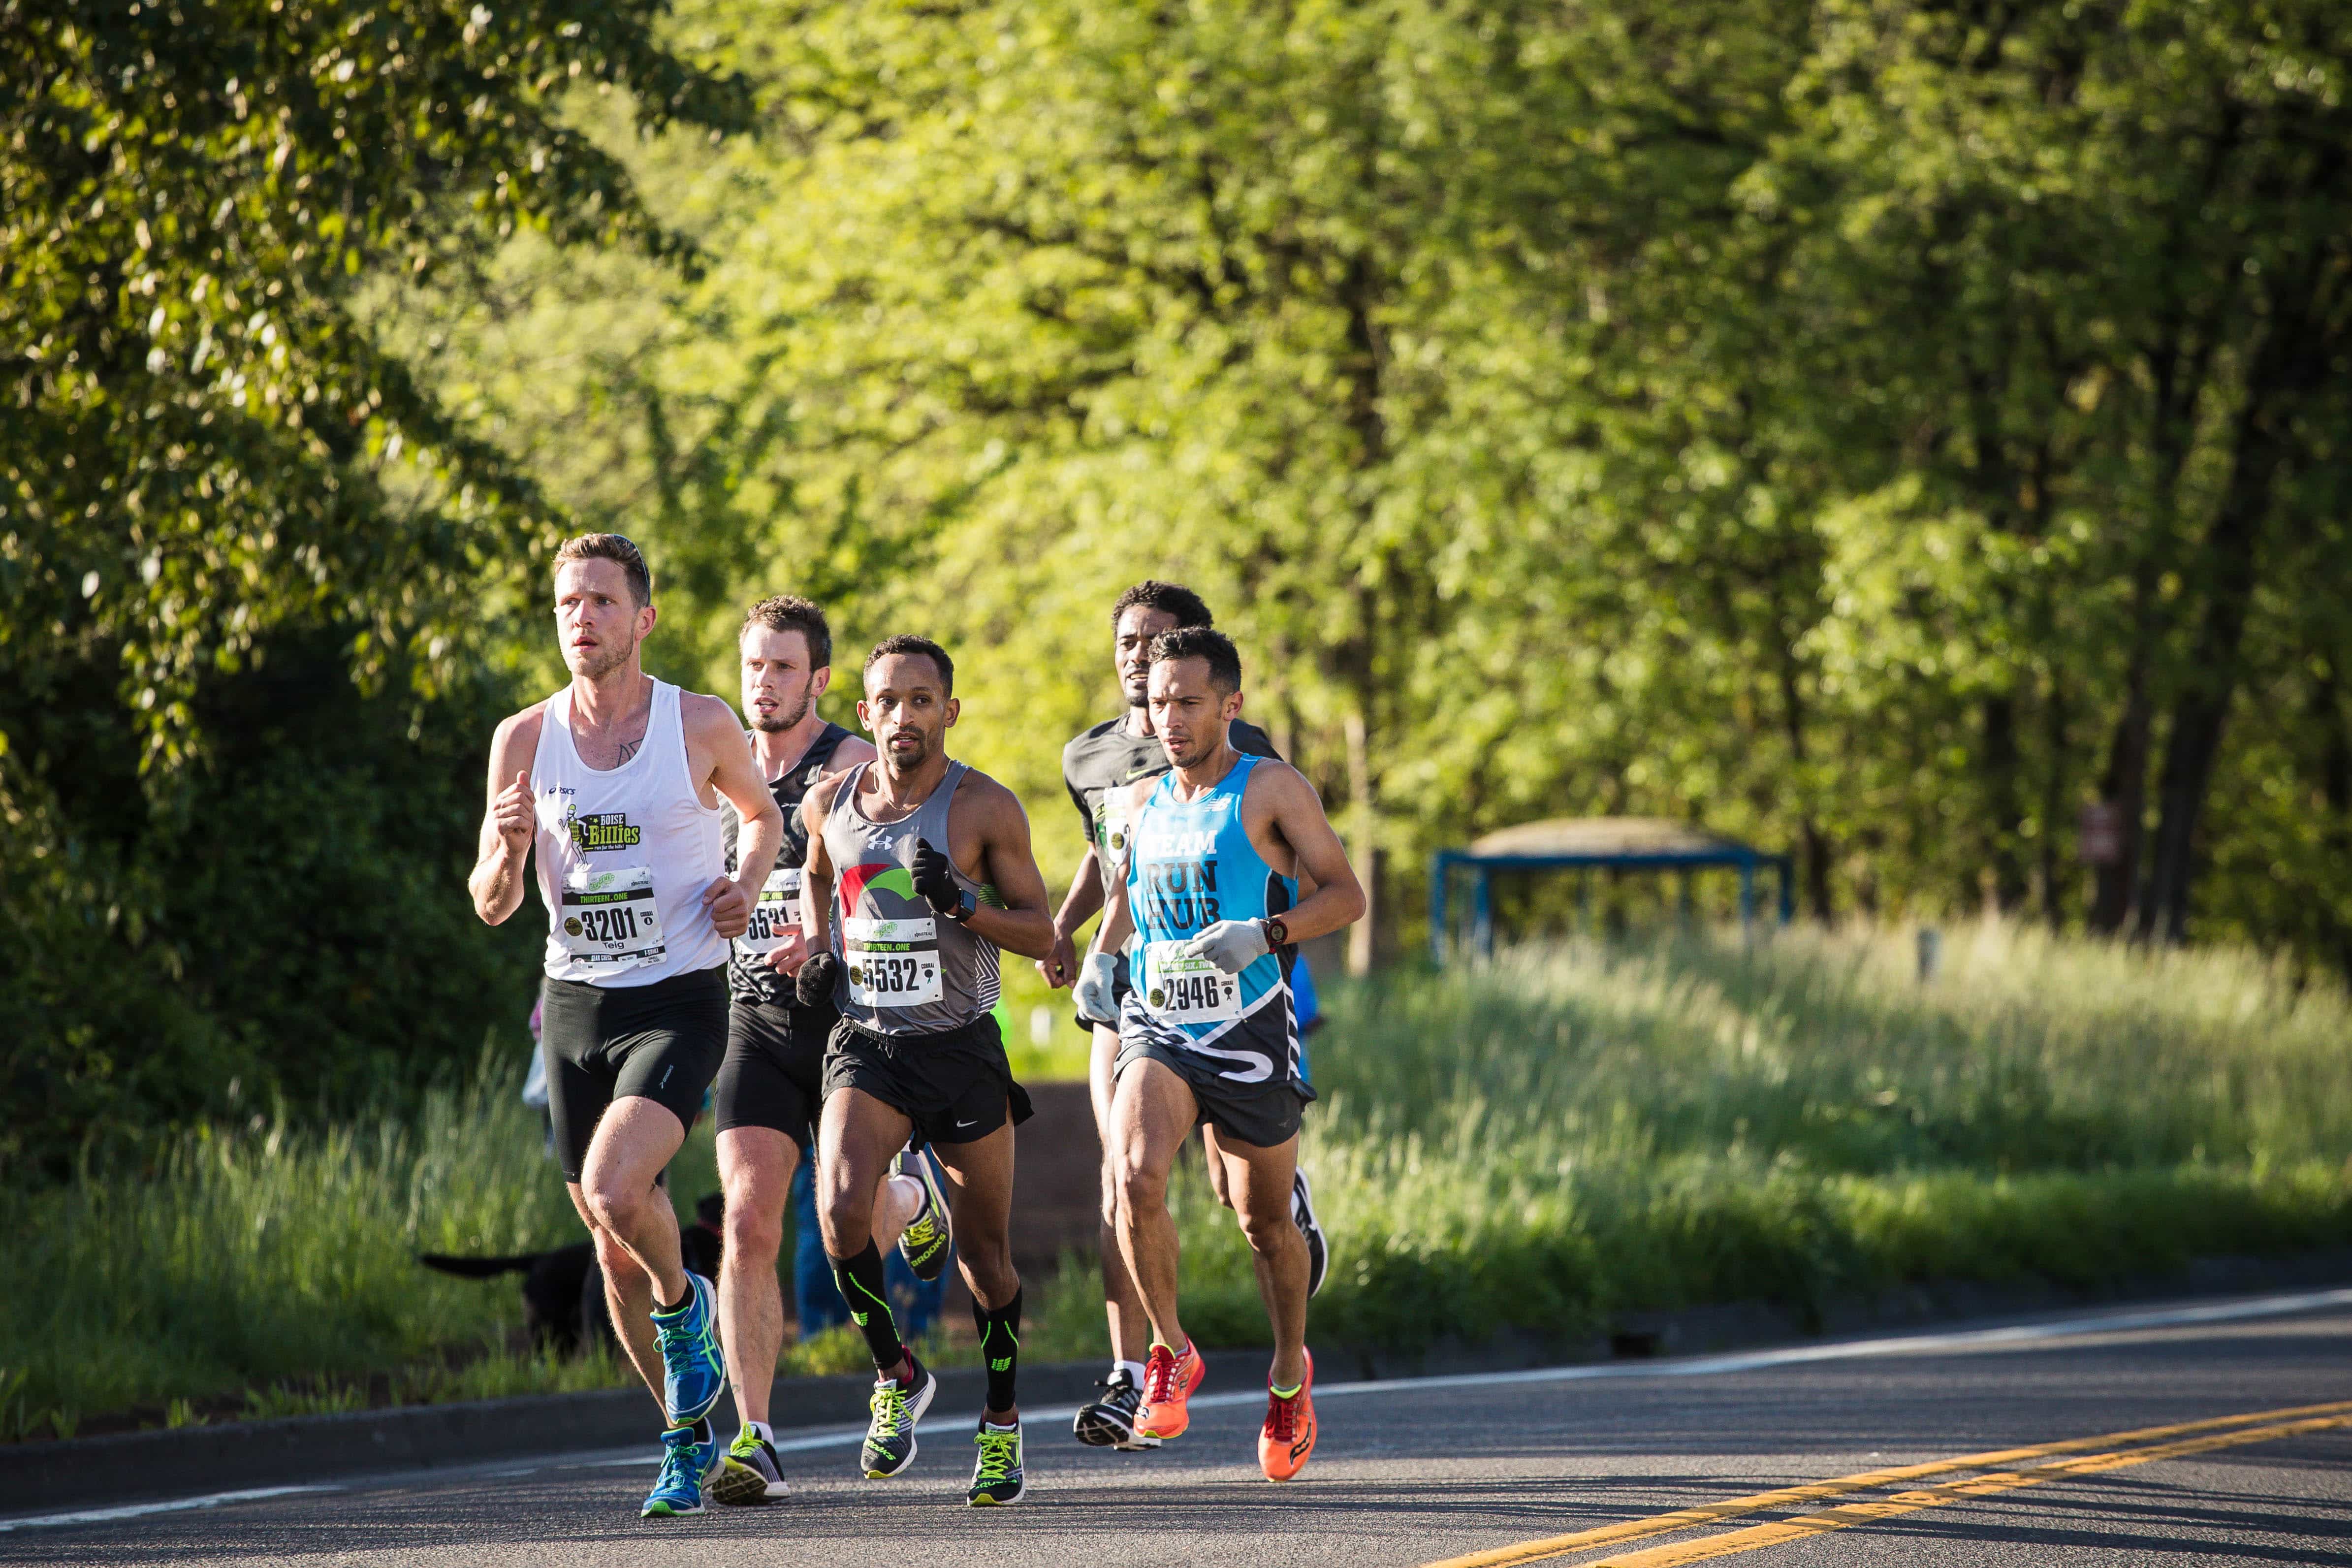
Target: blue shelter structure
(1593,843)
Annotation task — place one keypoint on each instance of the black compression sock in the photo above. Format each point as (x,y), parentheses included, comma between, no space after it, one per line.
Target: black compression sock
(862,1286)
(1000,1342)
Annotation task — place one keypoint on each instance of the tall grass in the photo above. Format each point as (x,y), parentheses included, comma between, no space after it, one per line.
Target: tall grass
(1538,1143)
(1569,1133)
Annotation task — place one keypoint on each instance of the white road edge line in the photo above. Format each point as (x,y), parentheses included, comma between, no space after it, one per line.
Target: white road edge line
(134,1511)
(2015,1334)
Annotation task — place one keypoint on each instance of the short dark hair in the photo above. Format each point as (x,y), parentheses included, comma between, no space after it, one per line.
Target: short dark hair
(791,613)
(908,642)
(1200,642)
(614,547)
(1172,598)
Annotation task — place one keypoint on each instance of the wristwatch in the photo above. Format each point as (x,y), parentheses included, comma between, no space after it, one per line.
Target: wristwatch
(964,905)
(1276,933)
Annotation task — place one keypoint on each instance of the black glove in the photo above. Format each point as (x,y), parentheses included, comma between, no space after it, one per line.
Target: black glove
(935,878)
(813,987)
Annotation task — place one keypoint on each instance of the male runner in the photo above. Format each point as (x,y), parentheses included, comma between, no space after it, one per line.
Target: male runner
(767,1094)
(924,865)
(615,781)
(1217,849)
(1097,766)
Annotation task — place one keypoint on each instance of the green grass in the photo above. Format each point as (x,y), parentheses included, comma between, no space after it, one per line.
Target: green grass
(1568,1133)
(1538,1143)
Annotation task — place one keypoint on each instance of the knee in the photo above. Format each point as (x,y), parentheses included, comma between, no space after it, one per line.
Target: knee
(613,1209)
(753,1235)
(1269,1233)
(1139,1186)
(846,1219)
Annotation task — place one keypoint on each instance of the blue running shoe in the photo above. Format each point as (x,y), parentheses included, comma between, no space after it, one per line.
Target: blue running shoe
(695,1373)
(677,1489)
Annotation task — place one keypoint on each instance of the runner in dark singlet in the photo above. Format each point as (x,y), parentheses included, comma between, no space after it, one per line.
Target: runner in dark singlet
(766,1096)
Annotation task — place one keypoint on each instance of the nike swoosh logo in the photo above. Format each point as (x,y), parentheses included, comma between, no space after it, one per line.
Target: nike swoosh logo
(1135,773)
(962,1125)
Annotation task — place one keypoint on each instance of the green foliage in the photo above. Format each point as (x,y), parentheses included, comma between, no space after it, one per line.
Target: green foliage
(221,500)
(1866,429)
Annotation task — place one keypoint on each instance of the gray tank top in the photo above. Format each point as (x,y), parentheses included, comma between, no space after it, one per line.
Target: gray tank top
(906,970)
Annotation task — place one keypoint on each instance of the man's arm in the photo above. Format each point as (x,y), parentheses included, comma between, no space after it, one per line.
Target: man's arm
(1059,967)
(1021,926)
(711,728)
(509,822)
(816,870)
(1295,814)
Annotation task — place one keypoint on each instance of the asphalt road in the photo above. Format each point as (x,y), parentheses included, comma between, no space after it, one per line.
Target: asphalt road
(1415,1473)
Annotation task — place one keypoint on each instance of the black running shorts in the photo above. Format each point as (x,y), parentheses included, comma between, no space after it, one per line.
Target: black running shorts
(1121,983)
(660,1042)
(1259,1114)
(955,1086)
(773,1074)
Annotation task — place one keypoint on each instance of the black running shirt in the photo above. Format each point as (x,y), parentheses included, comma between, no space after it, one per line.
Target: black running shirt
(748,979)
(1105,757)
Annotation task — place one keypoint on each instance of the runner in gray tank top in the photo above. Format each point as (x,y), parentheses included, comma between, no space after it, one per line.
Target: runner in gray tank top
(919,871)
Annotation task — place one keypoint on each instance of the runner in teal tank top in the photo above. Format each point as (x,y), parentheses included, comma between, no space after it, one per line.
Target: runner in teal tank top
(1217,850)
(1192,866)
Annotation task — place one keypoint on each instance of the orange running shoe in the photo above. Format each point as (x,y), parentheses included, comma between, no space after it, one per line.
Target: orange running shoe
(1169,1380)
(1288,1435)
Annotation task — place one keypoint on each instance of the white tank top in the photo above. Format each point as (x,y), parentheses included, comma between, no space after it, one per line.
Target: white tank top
(624,855)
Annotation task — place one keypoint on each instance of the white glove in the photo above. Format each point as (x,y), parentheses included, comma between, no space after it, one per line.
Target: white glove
(1231,945)
(1093,991)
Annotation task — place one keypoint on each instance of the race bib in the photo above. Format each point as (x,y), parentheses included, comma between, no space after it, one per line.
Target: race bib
(610,917)
(775,917)
(891,964)
(1179,989)
(1111,828)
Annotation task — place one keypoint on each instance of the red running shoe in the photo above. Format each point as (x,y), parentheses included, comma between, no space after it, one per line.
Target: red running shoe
(1169,1380)
(1287,1437)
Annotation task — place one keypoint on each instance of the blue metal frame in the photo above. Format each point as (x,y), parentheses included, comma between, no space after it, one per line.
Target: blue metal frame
(1731,858)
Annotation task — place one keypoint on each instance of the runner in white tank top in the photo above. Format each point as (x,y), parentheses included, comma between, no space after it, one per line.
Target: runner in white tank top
(615,783)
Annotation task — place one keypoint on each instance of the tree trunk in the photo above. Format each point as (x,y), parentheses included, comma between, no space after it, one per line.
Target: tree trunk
(1813,843)
(2053,806)
(2005,811)
(2294,356)
(2124,786)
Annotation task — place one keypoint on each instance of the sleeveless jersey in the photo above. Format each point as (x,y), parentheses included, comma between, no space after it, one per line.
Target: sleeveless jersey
(906,969)
(779,910)
(624,854)
(1193,865)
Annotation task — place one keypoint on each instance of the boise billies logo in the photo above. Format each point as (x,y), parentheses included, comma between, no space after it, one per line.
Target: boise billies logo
(602,830)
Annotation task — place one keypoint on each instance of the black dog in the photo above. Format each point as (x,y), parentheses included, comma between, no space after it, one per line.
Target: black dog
(562,1289)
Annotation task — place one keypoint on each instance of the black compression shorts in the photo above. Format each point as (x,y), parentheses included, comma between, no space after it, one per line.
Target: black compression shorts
(660,1042)
(773,1073)
(955,1086)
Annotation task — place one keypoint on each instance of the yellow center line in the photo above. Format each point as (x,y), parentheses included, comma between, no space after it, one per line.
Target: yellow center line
(1781,1497)
(1806,1527)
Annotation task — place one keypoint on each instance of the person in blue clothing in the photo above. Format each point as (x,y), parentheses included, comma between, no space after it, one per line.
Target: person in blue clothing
(1208,1031)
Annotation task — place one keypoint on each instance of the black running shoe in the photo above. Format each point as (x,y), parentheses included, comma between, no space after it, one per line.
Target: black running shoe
(748,1473)
(996,1476)
(1109,1422)
(890,1436)
(1302,1210)
(925,1241)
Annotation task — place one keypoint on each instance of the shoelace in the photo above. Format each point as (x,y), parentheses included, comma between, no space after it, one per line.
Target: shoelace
(678,1347)
(889,1407)
(1160,1376)
(1119,1393)
(1282,1416)
(678,1462)
(996,1454)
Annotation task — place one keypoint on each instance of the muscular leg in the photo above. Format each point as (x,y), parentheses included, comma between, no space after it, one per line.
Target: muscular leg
(1151,1115)
(755,1168)
(1130,1329)
(632,1223)
(1260,1183)
(755,1171)
(979,1200)
(857,1137)
(1215,1161)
